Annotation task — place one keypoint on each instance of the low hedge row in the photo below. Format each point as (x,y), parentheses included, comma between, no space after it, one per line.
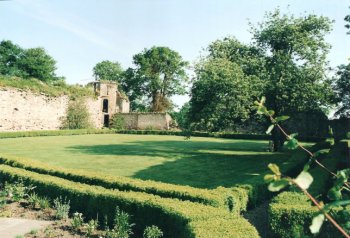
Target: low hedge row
(235,199)
(290,213)
(176,218)
(290,216)
(16,134)
(227,135)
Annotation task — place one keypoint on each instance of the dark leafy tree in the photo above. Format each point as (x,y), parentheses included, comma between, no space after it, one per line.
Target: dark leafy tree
(36,63)
(295,51)
(159,74)
(342,88)
(10,54)
(221,95)
(26,63)
(107,70)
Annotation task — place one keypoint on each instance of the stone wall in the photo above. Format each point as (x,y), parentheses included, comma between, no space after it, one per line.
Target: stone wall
(144,121)
(24,110)
(94,108)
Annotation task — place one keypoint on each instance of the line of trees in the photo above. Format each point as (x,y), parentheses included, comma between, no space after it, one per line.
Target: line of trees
(286,61)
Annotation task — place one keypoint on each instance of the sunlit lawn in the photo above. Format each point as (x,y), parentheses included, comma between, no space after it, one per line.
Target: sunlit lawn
(199,162)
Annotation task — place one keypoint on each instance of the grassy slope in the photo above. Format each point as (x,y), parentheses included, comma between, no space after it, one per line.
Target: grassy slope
(55,89)
(199,162)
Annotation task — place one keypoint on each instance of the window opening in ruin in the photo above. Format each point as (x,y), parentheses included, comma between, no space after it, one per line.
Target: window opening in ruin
(105,106)
(106,121)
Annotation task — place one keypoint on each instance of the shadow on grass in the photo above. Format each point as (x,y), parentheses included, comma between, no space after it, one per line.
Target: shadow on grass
(189,162)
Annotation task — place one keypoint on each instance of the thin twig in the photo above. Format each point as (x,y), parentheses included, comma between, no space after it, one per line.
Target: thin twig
(314,201)
(307,151)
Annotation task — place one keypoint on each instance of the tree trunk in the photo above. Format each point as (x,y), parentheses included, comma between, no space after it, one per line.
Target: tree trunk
(278,139)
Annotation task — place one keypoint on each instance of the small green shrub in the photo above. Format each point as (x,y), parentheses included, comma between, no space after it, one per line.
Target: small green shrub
(61,207)
(117,122)
(121,225)
(3,198)
(77,221)
(91,227)
(77,117)
(44,202)
(17,191)
(152,232)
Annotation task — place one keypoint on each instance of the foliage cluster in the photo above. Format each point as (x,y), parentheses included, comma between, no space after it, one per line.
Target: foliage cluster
(78,116)
(159,73)
(340,189)
(26,63)
(176,218)
(117,122)
(286,61)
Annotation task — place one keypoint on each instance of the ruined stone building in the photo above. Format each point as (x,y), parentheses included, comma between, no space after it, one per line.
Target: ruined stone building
(24,110)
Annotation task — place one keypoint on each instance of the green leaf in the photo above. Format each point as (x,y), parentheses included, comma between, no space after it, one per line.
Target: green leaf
(316,224)
(334,194)
(271,112)
(269,178)
(293,135)
(292,144)
(304,180)
(278,185)
(307,165)
(275,169)
(257,103)
(270,129)
(263,100)
(281,118)
(321,153)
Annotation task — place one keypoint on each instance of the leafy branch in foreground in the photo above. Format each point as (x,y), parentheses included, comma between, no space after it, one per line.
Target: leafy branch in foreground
(277,181)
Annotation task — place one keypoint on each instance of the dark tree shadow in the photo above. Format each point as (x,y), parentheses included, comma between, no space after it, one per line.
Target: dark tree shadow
(198,164)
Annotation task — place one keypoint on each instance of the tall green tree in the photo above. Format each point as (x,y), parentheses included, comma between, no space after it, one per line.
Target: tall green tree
(10,54)
(36,63)
(286,62)
(26,63)
(159,74)
(295,50)
(221,95)
(108,70)
(342,89)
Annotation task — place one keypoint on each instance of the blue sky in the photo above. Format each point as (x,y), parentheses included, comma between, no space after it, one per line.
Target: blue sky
(80,33)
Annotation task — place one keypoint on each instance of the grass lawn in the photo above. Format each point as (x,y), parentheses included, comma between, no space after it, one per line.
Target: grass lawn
(198,162)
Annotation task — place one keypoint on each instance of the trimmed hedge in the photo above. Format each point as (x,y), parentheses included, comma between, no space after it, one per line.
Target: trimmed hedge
(176,218)
(4,135)
(290,213)
(228,135)
(219,197)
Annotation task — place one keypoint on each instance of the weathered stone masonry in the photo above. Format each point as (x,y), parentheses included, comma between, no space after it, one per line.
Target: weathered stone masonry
(22,110)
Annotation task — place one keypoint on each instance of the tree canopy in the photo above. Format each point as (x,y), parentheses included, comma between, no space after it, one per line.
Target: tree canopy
(108,70)
(26,63)
(286,62)
(159,74)
(221,95)
(342,88)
